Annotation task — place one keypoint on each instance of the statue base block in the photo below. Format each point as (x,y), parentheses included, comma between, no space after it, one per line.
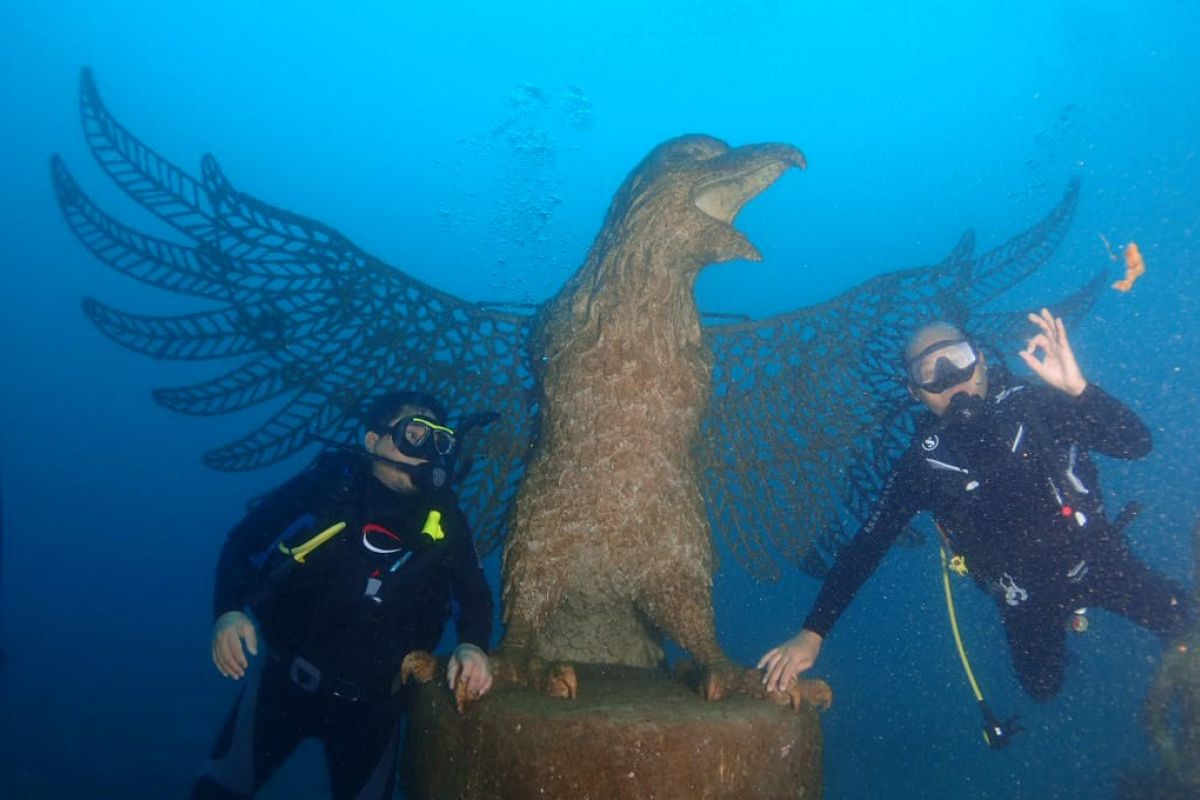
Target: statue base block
(630,733)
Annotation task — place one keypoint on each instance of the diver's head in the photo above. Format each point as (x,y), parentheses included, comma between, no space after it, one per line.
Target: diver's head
(415,448)
(940,362)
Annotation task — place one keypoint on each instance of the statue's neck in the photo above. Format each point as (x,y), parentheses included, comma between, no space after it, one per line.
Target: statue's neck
(644,279)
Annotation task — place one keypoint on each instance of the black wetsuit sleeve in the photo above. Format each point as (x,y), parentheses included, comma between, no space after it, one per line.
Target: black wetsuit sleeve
(899,500)
(470,589)
(1100,422)
(236,574)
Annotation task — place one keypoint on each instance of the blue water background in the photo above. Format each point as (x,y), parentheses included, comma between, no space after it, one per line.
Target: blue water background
(476,146)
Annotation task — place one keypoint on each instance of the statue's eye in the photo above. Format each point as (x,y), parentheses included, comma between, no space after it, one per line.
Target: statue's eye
(702,151)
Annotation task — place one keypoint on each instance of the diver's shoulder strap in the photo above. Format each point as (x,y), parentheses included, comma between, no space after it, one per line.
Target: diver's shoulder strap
(330,488)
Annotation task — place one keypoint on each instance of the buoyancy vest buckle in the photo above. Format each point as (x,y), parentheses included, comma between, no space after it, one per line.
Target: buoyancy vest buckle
(304,674)
(1078,572)
(1014,595)
(309,678)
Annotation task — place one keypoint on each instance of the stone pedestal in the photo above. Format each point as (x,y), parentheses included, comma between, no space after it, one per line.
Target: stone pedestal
(631,733)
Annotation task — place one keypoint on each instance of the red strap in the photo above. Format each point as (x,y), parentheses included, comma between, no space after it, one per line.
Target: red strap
(371,527)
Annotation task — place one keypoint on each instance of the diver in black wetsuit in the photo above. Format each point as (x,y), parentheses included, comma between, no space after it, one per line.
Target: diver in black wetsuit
(338,574)
(1005,471)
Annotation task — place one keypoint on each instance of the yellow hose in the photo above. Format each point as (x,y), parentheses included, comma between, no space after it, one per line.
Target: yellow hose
(301,551)
(958,642)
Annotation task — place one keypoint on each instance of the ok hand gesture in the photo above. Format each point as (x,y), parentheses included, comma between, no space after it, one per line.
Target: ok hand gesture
(1057,366)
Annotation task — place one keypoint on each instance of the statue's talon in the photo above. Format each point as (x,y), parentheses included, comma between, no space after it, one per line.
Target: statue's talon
(418,665)
(556,679)
(813,693)
(724,680)
(422,667)
(711,683)
(718,681)
(715,686)
(462,696)
(561,681)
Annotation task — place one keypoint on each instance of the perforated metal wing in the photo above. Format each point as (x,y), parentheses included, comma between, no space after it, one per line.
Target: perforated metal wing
(314,324)
(809,413)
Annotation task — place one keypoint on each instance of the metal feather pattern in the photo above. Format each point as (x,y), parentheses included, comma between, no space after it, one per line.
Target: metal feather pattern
(808,415)
(317,324)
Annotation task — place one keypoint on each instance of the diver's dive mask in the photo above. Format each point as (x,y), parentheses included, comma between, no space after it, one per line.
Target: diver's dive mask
(943,364)
(420,437)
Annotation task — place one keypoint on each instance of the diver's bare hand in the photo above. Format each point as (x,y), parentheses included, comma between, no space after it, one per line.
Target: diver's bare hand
(230,631)
(1057,366)
(785,663)
(470,666)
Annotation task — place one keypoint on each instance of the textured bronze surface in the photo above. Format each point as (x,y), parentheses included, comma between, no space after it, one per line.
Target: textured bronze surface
(610,546)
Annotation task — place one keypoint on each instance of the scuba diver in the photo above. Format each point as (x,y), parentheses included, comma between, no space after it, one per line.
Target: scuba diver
(329,581)
(1005,471)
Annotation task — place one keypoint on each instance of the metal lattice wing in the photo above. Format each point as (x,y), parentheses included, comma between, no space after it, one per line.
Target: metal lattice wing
(807,415)
(316,325)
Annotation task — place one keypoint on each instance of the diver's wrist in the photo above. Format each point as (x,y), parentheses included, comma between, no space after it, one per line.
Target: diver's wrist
(1077,389)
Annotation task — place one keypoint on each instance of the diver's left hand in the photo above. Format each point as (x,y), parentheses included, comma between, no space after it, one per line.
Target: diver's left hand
(471,666)
(1057,366)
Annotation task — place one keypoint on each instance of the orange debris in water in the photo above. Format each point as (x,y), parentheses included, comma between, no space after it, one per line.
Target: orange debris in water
(1134,268)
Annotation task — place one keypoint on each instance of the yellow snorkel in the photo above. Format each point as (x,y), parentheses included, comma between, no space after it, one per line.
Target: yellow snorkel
(301,551)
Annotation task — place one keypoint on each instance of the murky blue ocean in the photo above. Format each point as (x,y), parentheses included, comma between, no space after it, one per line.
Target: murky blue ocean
(476,146)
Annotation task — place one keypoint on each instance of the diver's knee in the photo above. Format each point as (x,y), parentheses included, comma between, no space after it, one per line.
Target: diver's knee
(1042,694)
(1044,687)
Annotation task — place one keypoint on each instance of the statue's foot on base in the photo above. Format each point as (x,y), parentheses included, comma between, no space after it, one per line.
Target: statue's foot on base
(423,667)
(815,693)
(418,665)
(724,679)
(553,679)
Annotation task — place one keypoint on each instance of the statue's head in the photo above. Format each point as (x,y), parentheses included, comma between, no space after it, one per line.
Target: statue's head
(681,201)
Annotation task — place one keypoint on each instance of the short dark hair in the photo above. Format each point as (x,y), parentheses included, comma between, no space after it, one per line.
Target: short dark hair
(383,409)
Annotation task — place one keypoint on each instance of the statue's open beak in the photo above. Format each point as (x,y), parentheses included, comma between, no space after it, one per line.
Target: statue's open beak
(738,177)
(741,175)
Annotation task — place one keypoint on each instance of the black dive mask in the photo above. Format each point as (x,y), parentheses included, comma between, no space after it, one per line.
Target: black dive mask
(421,437)
(942,364)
